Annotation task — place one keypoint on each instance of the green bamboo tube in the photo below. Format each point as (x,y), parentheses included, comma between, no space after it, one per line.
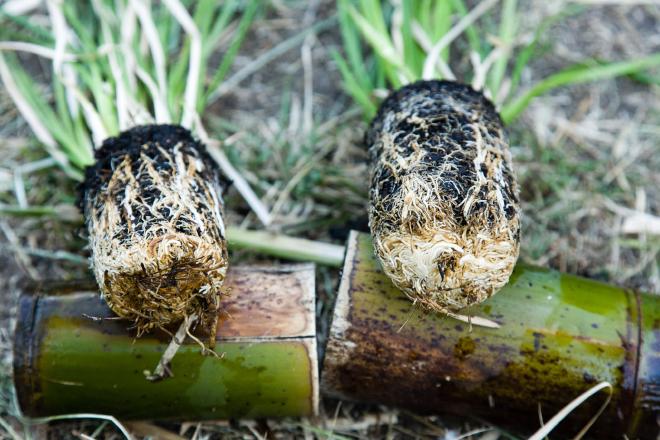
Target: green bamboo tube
(559,335)
(66,362)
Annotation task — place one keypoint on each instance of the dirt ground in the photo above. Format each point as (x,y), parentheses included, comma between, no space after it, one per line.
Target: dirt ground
(587,159)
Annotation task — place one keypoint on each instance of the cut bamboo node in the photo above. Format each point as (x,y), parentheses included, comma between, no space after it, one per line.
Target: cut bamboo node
(558,336)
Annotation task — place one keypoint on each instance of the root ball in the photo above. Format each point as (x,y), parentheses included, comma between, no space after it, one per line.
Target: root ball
(444,208)
(154,212)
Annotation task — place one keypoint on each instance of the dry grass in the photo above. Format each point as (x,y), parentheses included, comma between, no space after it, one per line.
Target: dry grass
(586,158)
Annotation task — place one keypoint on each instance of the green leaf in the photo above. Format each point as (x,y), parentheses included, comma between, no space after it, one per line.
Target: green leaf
(441,24)
(352,46)
(27,31)
(230,55)
(508,26)
(373,13)
(576,75)
(33,97)
(354,88)
(412,57)
(219,26)
(205,13)
(646,78)
(382,45)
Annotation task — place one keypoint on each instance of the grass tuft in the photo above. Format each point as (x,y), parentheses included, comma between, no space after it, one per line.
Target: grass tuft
(401,36)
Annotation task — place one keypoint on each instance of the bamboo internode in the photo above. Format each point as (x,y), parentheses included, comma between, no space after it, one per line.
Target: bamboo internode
(558,336)
(71,355)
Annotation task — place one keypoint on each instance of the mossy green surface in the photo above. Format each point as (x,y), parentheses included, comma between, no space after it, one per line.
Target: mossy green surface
(558,336)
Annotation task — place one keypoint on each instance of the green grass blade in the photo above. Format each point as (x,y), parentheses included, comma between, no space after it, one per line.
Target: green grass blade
(27,31)
(176,82)
(646,78)
(204,14)
(354,88)
(243,26)
(508,26)
(30,211)
(82,136)
(61,107)
(211,31)
(576,75)
(440,25)
(74,17)
(381,80)
(168,29)
(373,12)
(352,47)
(382,45)
(91,75)
(76,154)
(412,56)
(219,26)
(423,14)
(435,19)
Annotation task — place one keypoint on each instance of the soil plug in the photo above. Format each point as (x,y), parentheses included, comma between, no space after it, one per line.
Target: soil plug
(444,211)
(154,212)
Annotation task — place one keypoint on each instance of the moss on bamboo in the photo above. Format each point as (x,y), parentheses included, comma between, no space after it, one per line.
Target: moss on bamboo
(154,212)
(444,211)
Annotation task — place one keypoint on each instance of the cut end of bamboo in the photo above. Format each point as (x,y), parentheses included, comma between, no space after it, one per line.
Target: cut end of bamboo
(154,213)
(444,210)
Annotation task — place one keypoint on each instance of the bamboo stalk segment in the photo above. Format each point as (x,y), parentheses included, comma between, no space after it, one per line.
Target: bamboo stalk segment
(69,358)
(559,335)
